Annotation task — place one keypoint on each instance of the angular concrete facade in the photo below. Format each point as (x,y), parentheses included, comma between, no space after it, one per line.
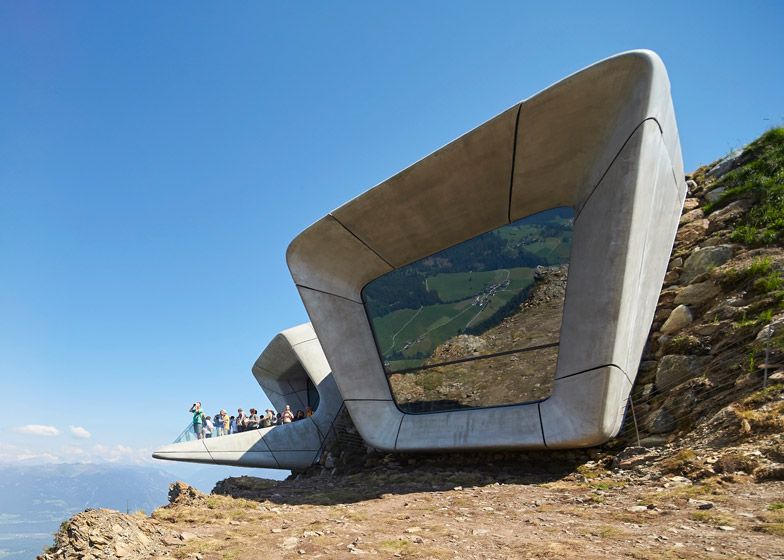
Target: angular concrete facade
(283,370)
(603,142)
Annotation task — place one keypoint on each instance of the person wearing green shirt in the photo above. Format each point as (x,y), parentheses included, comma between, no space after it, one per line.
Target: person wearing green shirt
(198,420)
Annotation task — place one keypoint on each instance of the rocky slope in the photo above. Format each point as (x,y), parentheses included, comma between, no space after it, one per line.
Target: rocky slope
(697,471)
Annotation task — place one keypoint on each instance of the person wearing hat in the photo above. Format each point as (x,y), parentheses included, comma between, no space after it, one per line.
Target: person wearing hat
(225,422)
(242,420)
(269,418)
(253,420)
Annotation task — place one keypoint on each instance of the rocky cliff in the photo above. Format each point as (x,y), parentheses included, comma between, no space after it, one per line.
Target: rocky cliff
(695,473)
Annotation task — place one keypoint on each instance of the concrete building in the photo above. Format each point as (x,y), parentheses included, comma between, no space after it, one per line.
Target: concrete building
(496,294)
(603,143)
(291,370)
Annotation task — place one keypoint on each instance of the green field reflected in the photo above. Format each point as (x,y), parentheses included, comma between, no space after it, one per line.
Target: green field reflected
(499,295)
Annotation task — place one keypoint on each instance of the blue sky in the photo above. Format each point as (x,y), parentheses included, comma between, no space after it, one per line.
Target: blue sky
(157,158)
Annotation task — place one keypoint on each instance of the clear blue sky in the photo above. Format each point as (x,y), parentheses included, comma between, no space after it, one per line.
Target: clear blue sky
(157,157)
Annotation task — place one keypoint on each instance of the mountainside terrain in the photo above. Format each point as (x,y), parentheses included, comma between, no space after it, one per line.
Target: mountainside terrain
(696,472)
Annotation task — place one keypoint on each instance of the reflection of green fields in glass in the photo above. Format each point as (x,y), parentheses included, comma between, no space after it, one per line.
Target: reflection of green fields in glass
(552,249)
(461,285)
(472,317)
(430,317)
(418,332)
(516,234)
(385,327)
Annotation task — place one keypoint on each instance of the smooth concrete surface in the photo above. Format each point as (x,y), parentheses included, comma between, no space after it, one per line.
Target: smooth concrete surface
(282,370)
(353,349)
(424,209)
(484,428)
(326,271)
(585,409)
(604,142)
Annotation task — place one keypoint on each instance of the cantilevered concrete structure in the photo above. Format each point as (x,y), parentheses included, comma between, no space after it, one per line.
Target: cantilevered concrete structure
(291,362)
(602,142)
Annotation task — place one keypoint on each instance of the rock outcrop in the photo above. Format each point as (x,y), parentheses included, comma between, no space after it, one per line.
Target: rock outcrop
(103,533)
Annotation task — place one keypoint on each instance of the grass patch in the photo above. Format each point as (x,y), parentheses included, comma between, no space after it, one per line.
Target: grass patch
(712,518)
(591,471)
(764,396)
(760,179)
(763,410)
(400,546)
(771,529)
(606,484)
(609,532)
(682,463)
(772,520)
(761,276)
(708,489)
(766,420)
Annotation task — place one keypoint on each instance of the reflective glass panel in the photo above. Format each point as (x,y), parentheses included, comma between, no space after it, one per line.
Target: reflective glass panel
(477,324)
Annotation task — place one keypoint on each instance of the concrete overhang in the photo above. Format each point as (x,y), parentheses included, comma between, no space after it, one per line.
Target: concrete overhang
(283,369)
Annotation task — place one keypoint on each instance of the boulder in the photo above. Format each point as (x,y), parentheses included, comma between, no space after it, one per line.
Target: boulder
(697,294)
(729,213)
(653,441)
(769,472)
(691,215)
(667,297)
(690,204)
(775,327)
(677,262)
(662,423)
(715,194)
(675,369)
(679,318)
(725,164)
(671,277)
(692,232)
(683,399)
(181,493)
(721,237)
(703,260)
(730,308)
(683,344)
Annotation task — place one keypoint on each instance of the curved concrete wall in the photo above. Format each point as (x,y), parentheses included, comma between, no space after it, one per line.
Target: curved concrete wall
(602,141)
(282,370)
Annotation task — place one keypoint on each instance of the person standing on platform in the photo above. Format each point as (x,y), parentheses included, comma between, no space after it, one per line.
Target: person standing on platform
(198,420)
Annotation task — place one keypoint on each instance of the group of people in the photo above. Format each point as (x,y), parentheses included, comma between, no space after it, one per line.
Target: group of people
(222,424)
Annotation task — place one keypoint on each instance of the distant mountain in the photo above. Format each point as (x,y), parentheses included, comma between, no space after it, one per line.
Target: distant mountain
(43,490)
(35,499)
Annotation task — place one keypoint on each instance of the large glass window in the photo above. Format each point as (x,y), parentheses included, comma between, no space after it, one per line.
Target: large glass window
(477,324)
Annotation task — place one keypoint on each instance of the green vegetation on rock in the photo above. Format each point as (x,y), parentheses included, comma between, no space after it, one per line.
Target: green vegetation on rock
(760,179)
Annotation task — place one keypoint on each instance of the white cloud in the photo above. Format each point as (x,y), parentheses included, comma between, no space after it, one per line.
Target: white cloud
(13,454)
(97,453)
(79,432)
(36,430)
